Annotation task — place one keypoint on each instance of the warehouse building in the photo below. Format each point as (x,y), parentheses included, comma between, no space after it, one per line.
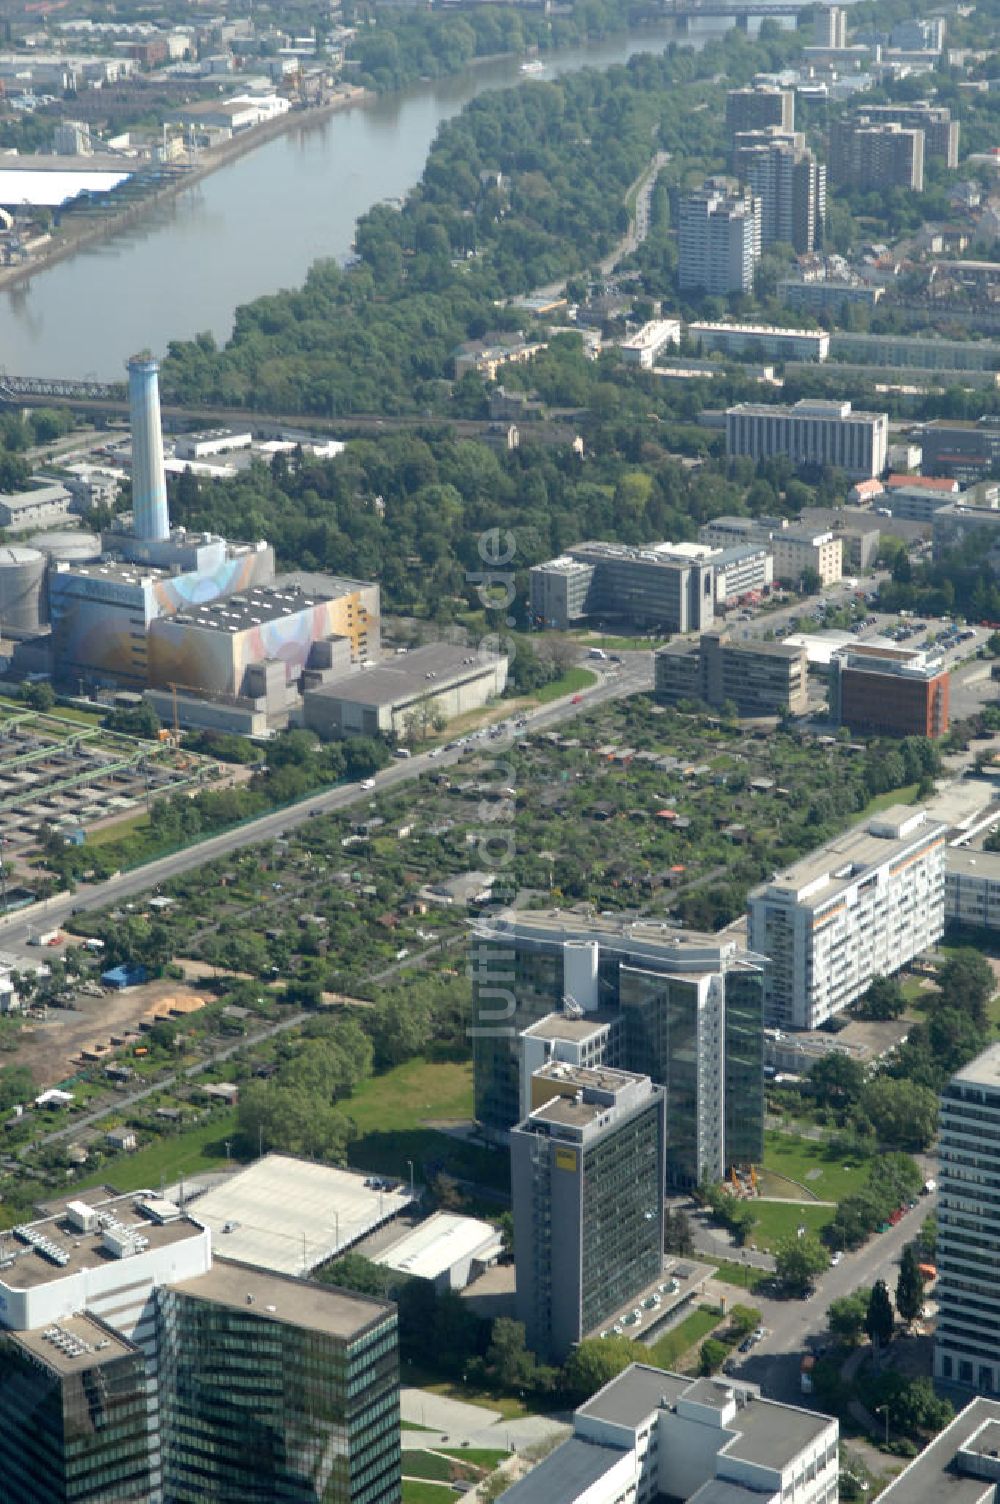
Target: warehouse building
(859,907)
(403,695)
(759,678)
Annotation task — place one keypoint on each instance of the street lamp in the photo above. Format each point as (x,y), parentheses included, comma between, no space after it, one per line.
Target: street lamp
(410,1165)
(884,1410)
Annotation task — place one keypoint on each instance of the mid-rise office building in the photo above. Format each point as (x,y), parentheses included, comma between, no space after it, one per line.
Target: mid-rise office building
(972,888)
(760,341)
(889,691)
(859,907)
(718,239)
(812,432)
(967,1337)
(867,155)
(955,525)
(827,294)
(959,1466)
(754,109)
(939,130)
(667,585)
(742,572)
(651,1435)
(759,678)
(966,451)
(587,1178)
(801,551)
(831,28)
(917,503)
(691,1010)
(789,184)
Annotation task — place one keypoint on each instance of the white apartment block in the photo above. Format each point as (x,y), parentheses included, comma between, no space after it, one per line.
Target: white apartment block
(812,432)
(650,1434)
(718,239)
(972,888)
(799,549)
(967,1338)
(644,348)
(860,907)
(761,341)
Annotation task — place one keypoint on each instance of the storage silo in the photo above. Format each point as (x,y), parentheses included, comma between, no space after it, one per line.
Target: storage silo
(22,577)
(68,547)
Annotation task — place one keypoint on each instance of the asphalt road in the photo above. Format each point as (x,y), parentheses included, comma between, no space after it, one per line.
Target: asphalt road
(774,1362)
(633,675)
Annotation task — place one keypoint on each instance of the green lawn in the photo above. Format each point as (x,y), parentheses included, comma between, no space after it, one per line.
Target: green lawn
(406,1097)
(777,1220)
(731,1273)
(905,795)
(427,1465)
(619,644)
(488,1457)
(427,1493)
(569,683)
(119,831)
(201,1148)
(509,1406)
(688,1333)
(823,1174)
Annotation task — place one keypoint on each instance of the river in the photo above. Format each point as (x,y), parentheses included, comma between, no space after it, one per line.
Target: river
(253,227)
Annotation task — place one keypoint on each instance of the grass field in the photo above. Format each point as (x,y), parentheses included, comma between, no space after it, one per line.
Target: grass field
(201,1148)
(509,1406)
(731,1273)
(827,1176)
(120,830)
(408,1096)
(569,683)
(427,1493)
(777,1220)
(487,1457)
(427,1465)
(905,795)
(686,1334)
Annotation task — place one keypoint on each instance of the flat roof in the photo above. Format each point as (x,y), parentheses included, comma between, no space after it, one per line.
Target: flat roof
(568,1026)
(278,1297)
(634,1394)
(565,1474)
(421,670)
(83,1250)
(932,1478)
(983,1071)
(248,608)
(74,1344)
(965,862)
(818,877)
(773,1434)
(436,1245)
(290,1215)
(683,951)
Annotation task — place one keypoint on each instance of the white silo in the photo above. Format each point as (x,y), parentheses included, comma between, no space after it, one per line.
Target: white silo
(22,576)
(150,520)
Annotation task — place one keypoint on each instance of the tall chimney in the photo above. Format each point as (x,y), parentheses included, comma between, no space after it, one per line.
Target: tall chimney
(149,483)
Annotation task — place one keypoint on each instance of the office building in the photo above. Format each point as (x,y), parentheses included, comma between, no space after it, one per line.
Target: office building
(888,691)
(76,1415)
(789,185)
(831,28)
(827,294)
(917,503)
(277,1388)
(587,1178)
(405,694)
(801,551)
(972,888)
(859,907)
(760,341)
(965,451)
(726,532)
(666,585)
(718,239)
(867,155)
(757,108)
(959,1466)
(649,1434)
(744,572)
(955,524)
(759,678)
(934,120)
(691,1008)
(812,432)
(644,348)
(967,1337)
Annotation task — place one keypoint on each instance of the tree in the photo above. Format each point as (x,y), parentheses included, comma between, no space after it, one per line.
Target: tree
(743,1320)
(884,999)
(903,1113)
(798,1261)
(593,1363)
(677,1235)
(39,696)
(967,983)
(909,1286)
(846,1317)
(837,1080)
(879,1319)
(508,1361)
(711,1355)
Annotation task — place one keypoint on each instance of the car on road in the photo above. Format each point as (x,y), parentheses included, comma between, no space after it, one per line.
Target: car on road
(746,1344)
(577,700)
(367,783)
(835,1258)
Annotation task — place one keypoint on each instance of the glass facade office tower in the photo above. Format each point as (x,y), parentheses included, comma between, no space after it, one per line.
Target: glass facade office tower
(587,1183)
(277,1391)
(692,1014)
(75,1406)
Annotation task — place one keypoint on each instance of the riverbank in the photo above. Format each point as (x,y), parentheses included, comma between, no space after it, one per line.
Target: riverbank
(81,238)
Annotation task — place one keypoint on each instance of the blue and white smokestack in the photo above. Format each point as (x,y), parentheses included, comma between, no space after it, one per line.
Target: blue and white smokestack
(150,519)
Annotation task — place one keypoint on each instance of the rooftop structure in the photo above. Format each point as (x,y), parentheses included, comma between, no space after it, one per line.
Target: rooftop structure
(298,1302)
(290,1215)
(960,1466)
(446,1249)
(859,907)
